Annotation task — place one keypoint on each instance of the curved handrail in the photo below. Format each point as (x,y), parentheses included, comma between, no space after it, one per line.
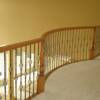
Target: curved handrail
(24,43)
(66,28)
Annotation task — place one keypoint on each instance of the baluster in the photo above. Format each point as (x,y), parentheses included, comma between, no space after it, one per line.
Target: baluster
(59,49)
(34,68)
(48,54)
(25,68)
(56,36)
(69,43)
(16,73)
(81,44)
(51,55)
(52,60)
(47,40)
(62,47)
(5,80)
(30,62)
(21,65)
(38,57)
(66,45)
(74,41)
(55,50)
(84,45)
(78,47)
(72,56)
(11,76)
(87,45)
(52,52)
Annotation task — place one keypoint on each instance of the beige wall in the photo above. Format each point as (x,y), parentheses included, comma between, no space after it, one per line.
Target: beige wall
(97,12)
(27,19)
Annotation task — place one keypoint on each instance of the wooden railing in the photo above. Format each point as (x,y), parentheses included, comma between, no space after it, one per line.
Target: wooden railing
(68,45)
(21,70)
(26,65)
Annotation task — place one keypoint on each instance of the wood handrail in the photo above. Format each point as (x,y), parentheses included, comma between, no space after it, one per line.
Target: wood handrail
(67,28)
(25,43)
(18,45)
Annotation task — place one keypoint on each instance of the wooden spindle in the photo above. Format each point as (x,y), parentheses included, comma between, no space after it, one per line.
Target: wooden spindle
(21,65)
(5,75)
(11,76)
(16,73)
(30,68)
(25,69)
(34,67)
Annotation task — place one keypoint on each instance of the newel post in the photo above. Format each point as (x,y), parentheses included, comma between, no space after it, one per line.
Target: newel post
(92,50)
(41,77)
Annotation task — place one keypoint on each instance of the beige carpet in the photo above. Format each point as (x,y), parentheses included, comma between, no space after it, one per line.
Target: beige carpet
(78,81)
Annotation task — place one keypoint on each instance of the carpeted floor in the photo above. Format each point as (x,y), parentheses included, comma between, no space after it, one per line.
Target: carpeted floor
(78,81)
